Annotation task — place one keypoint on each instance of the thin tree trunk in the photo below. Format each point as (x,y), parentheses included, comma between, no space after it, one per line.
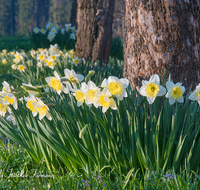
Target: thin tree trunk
(73,13)
(94,37)
(12,17)
(162,35)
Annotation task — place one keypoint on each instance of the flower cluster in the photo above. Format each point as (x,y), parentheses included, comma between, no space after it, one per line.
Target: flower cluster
(52,31)
(152,88)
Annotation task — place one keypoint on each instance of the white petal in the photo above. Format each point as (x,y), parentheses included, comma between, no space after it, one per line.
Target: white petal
(48,116)
(194,95)
(150,99)
(104,109)
(142,91)
(145,82)
(169,85)
(80,77)
(182,88)
(171,100)
(79,104)
(112,79)
(67,73)
(34,114)
(125,82)
(56,75)
(155,79)
(162,91)
(181,99)
(104,84)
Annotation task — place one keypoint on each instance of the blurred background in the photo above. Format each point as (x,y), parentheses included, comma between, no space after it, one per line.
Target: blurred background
(17,17)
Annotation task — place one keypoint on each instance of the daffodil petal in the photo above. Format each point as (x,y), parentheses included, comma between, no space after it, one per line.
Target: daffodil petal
(169,85)
(142,90)
(180,100)
(150,99)
(155,79)
(194,95)
(171,100)
(162,91)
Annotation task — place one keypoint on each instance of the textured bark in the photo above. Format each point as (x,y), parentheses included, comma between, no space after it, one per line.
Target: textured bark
(160,35)
(94,36)
(73,13)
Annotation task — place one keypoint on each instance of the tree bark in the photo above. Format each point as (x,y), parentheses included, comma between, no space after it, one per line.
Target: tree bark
(160,35)
(73,13)
(94,36)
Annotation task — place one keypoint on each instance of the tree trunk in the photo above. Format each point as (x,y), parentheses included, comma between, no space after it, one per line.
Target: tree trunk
(73,13)
(162,35)
(12,17)
(94,36)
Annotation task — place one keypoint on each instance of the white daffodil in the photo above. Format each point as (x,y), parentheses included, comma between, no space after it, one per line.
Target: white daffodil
(72,77)
(4,61)
(54,30)
(53,48)
(4,107)
(50,63)
(63,30)
(41,56)
(152,88)
(18,57)
(33,53)
(73,29)
(30,100)
(80,94)
(117,86)
(90,94)
(175,92)
(6,87)
(11,119)
(195,94)
(10,99)
(105,100)
(49,26)
(21,68)
(76,61)
(72,36)
(14,66)
(30,89)
(67,26)
(55,83)
(51,36)
(43,31)
(42,109)
(36,30)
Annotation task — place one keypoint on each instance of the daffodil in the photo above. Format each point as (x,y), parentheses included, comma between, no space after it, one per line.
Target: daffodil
(43,31)
(30,89)
(117,86)
(10,99)
(41,56)
(76,61)
(18,57)
(175,92)
(105,100)
(42,109)
(80,94)
(152,88)
(21,68)
(51,36)
(50,63)
(36,30)
(14,66)
(49,26)
(4,61)
(30,100)
(67,26)
(11,119)
(55,83)
(72,36)
(53,48)
(4,107)
(73,29)
(63,30)
(6,87)
(71,76)
(54,30)
(90,94)
(195,94)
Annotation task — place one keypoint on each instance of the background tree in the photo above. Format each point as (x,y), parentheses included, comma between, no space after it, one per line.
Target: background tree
(94,36)
(162,35)
(5,17)
(73,13)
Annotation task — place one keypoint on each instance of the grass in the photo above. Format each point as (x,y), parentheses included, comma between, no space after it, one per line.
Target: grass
(18,171)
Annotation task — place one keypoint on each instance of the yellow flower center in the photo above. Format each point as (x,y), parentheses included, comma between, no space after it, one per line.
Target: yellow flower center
(3,108)
(71,52)
(177,92)
(31,106)
(115,88)
(90,95)
(50,63)
(42,110)
(10,101)
(21,67)
(152,90)
(76,61)
(103,102)
(55,84)
(41,57)
(53,57)
(80,96)
(17,57)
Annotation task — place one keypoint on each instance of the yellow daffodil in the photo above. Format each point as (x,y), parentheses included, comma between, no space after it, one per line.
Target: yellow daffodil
(21,68)
(30,100)
(4,61)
